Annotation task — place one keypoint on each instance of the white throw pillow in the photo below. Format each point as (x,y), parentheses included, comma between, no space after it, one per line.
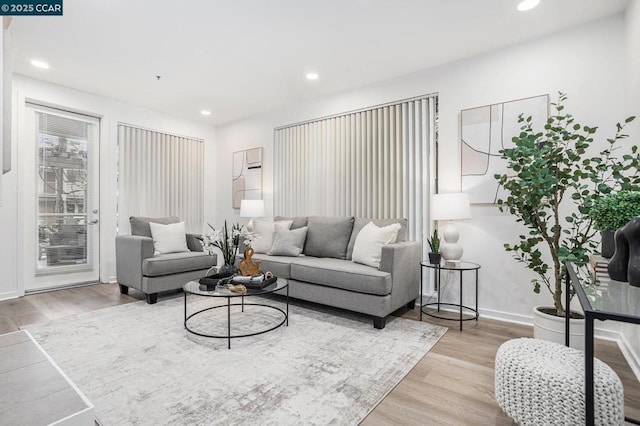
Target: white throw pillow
(263,233)
(368,247)
(170,238)
(288,242)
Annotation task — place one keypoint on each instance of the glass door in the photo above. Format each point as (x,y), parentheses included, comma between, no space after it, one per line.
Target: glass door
(65,196)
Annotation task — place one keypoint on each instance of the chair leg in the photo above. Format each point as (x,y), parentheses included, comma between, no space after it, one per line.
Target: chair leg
(411,305)
(379,322)
(152,298)
(123,289)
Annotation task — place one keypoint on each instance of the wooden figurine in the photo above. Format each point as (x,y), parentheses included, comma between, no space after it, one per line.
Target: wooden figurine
(248,266)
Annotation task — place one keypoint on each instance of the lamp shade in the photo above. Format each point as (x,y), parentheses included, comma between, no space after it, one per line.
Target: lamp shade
(252,208)
(450,206)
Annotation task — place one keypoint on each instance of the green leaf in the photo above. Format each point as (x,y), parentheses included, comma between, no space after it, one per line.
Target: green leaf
(554,186)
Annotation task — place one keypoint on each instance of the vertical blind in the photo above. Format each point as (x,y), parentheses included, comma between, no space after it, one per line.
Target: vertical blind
(373,163)
(159,175)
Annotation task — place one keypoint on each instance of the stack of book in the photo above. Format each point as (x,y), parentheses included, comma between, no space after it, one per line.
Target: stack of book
(598,269)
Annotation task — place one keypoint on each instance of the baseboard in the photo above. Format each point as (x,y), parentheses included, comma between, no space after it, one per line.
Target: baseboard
(600,333)
(506,317)
(630,355)
(614,336)
(9,295)
(59,287)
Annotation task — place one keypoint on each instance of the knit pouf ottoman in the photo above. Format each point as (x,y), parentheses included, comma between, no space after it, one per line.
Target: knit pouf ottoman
(542,383)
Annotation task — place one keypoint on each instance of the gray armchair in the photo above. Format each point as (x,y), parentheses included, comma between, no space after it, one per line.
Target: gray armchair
(137,266)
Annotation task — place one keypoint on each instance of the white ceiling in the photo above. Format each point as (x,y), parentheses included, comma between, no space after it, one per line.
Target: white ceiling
(238,58)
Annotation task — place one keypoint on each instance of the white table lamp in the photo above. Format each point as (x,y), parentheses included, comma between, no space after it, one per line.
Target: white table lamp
(450,207)
(252,209)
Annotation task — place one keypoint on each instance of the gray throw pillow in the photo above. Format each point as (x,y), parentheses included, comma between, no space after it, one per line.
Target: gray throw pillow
(288,242)
(140,225)
(362,222)
(328,236)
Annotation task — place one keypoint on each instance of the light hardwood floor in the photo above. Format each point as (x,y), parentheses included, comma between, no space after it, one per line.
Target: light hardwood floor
(451,385)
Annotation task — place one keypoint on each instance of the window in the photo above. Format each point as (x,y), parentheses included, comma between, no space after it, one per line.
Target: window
(373,163)
(159,175)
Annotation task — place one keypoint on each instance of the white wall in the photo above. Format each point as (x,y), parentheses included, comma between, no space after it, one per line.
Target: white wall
(586,62)
(111,113)
(631,332)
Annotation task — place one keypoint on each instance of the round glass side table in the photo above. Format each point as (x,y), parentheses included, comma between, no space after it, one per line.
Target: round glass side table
(460,267)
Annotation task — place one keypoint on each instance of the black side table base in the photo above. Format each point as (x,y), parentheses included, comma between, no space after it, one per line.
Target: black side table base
(474,315)
(456,267)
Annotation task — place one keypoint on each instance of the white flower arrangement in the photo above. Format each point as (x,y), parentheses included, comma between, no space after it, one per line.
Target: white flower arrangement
(227,242)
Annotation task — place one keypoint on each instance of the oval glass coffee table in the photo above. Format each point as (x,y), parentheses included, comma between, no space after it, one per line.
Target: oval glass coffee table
(194,288)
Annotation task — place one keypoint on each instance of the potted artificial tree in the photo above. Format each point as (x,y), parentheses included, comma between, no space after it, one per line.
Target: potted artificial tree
(611,212)
(434,245)
(553,181)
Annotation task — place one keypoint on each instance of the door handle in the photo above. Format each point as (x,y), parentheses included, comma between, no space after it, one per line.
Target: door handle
(93,222)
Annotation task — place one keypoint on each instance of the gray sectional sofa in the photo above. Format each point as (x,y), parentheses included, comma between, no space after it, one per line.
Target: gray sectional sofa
(138,267)
(325,273)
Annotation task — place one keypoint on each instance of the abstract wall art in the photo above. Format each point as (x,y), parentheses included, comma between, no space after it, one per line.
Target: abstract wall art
(247,176)
(484,132)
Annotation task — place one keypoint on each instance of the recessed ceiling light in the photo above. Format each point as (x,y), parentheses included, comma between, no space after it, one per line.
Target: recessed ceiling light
(312,76)
(527,5)
(40,64)
(205,112)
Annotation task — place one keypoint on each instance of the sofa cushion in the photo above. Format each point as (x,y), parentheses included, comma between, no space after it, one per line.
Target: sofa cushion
(170,238)
(174,263)
(328,236)
(264,232)
(368,247)
(288,242)
(280,266)
(140,225)
(298,221)
(341,274)
(360,223)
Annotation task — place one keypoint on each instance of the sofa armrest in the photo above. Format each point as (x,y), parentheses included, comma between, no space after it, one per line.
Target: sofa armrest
(131,250)
(402,261)
(194,242)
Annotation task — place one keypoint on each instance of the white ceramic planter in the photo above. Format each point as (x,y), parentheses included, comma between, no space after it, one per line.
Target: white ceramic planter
(551,327)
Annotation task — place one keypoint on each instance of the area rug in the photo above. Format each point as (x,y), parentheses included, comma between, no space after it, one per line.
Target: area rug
(139,366)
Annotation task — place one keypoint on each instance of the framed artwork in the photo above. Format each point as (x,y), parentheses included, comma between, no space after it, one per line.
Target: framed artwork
(247,176)
(484,132)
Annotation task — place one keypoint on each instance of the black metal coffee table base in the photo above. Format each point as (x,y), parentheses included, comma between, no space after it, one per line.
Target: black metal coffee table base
(229,336)
(196,289)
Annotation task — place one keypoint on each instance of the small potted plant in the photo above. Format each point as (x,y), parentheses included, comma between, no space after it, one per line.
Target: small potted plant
(611,212)
(434,245)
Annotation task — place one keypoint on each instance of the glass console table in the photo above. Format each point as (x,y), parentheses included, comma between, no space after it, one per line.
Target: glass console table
(615,301)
